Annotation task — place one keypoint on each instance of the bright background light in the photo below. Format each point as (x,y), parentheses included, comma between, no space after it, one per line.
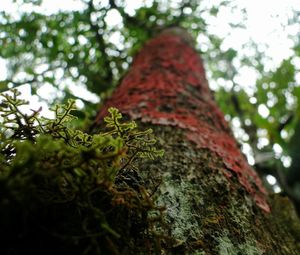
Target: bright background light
(265,24)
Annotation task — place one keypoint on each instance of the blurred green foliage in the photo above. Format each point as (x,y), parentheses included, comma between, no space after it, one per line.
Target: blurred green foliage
(79,47)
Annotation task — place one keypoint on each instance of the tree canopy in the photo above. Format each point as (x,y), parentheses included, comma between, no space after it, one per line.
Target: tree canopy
(92,45)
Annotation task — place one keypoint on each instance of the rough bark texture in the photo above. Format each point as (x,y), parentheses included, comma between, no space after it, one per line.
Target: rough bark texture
(216,203)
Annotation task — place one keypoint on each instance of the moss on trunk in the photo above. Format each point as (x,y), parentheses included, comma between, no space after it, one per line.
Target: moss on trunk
(209,213)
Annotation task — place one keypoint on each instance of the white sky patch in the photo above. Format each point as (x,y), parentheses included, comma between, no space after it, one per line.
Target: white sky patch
(286,161)
(277,189)
(41,68)
(266,23)
(82,39)
(47,91)
(34,103)
(277,149)
(101,3)
(262,142)
(47,7)
(3,74)
(218,26)
(263,111)
(79,104)
(81,92)
(247,79)
(284,134)
(51,6)
(240,135)
(247,150)
(271,179)
(253,100)
(266,26)
(236,122)
(132,5)
(113,18)
(296,61)
(116,38)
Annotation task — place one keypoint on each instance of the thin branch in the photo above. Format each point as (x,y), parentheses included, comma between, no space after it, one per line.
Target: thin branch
(17,84)
(100,41)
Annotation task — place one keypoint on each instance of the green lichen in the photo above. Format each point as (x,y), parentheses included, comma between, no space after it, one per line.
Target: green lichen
(199,253)
(179,206)
(64,191)
(227,247)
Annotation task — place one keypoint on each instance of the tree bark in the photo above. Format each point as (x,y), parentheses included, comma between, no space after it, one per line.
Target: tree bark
(215,202)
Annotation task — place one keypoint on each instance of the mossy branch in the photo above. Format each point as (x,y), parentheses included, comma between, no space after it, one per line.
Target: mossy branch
(74,188)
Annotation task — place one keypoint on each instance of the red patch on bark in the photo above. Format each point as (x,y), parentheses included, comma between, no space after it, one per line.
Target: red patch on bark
(166,85)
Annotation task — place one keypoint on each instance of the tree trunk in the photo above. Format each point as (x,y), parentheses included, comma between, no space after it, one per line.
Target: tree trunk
(215,202)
